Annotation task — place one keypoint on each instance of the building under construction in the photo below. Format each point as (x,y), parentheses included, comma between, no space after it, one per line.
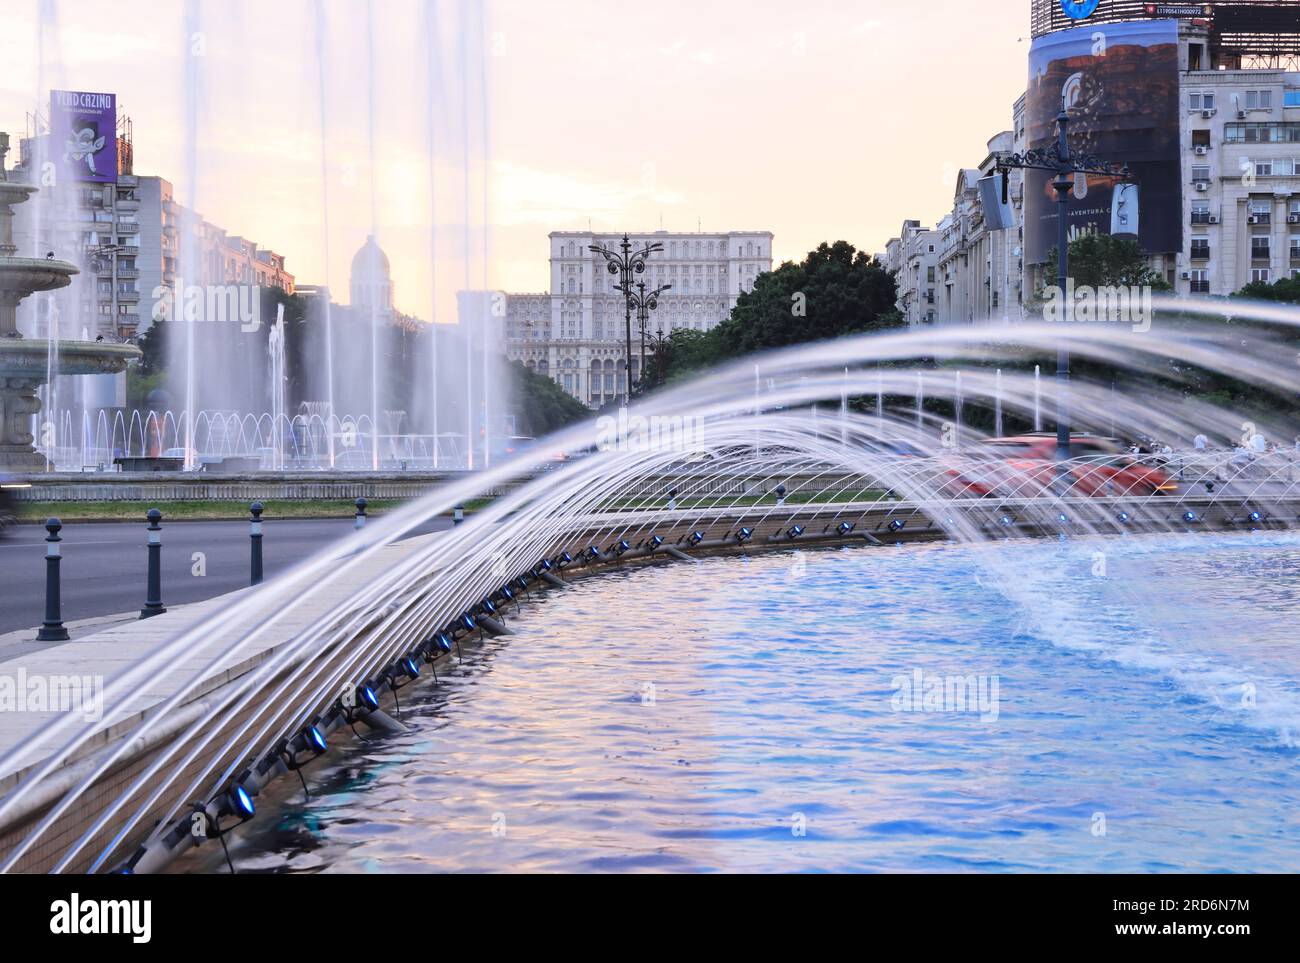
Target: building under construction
(1243,34)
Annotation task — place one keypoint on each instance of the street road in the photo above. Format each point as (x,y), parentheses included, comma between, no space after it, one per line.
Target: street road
(104,563)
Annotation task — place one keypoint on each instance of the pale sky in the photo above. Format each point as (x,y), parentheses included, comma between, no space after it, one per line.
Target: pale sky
(817,120)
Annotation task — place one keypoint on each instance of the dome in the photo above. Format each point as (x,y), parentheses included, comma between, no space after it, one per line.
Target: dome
(371,282)
(370,259)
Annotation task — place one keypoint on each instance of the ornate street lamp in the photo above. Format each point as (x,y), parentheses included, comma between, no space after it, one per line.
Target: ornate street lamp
(625,264)
(662,348)
(1058,160)
(644,302)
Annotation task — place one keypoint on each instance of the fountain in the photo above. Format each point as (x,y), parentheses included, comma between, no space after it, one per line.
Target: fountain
(24,362)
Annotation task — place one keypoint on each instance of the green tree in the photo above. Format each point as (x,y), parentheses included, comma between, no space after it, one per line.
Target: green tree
(1103,260)
(540,405)
(835,291)
(1286,290)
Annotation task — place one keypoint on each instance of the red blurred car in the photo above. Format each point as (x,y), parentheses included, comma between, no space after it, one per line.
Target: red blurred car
(1025,465)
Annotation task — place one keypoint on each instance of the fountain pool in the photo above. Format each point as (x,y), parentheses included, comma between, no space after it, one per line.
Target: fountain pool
(744,714)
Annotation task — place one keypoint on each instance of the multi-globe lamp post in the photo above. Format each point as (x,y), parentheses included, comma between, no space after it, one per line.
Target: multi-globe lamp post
(1057,160)
(626,264)
(644,302)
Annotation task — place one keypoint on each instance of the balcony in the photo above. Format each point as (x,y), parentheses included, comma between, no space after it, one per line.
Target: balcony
(1200,287)
(128,227)
(1200,252)
(1260,217)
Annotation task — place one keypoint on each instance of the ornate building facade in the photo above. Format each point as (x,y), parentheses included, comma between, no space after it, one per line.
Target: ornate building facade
(576,333)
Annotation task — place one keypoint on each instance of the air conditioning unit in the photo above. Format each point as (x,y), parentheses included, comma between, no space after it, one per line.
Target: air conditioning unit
(1214,219)
(1241,115)
(1293,218)
(1202,149)
(1187,275)
(1202,186)
(1209,112)
(1254,219)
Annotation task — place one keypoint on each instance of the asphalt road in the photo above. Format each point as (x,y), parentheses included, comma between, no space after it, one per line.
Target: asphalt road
(104,563)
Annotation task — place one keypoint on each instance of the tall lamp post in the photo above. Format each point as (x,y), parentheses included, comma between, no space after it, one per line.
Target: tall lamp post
(662,348)
(644,302)
(1058,160)
(625,263)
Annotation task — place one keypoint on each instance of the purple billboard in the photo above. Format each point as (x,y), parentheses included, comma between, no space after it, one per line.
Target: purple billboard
(1120,84)
(83,134)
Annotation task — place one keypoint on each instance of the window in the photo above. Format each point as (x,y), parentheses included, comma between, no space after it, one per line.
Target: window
(1259,247)
(1263,168)
(1200,248)
(1262,133)
(1200,173)
(1200,138)
(1260,274)
(1200,282)
(1295,247)
(1259,100)
(1200,212)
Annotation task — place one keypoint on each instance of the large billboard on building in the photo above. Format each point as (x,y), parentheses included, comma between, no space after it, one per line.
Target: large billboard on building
(1119,82)
(83,134)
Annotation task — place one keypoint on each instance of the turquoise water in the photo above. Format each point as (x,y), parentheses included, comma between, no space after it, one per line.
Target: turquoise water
(749,715)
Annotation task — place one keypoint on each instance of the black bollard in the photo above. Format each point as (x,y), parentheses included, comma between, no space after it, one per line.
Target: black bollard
(361,513)
(52,629)
(153,599)
(255,542)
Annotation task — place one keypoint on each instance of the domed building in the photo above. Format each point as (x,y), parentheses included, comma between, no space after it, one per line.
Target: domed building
(371,283)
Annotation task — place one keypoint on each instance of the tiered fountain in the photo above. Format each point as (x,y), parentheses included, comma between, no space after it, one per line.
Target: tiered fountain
(25,363)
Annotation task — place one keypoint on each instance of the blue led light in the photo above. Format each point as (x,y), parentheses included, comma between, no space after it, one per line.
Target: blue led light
(315,739)
(366,697)
(656,540)
(1124,518)
(697,537)
(546,565)
(444,643)
(241,801)
(1063,518)
(409,667)
(897,525)
(1189,516)
(796,531)
(1005,520)
(1255,516)
(844,528)
(566,557)
(623,544)
(744,534)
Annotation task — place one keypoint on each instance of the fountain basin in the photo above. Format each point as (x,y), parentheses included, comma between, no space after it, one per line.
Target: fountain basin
(32,275)
(21,356)
(24,366)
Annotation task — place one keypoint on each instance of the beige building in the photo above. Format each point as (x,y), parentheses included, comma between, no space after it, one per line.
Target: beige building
(576,333)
